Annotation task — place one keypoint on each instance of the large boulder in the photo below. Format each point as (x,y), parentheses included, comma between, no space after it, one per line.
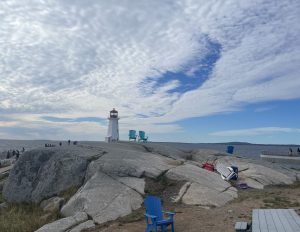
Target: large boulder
(193,173)
(43,173)
(260,174)
(131,163)
(197,194)
(104,199)
(64,224)
(205,188)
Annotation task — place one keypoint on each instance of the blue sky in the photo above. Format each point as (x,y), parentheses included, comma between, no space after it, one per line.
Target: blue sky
(188,70)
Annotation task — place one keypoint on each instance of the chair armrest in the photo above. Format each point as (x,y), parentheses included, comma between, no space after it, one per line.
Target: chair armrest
(171,214)
(150,216)
(153,218)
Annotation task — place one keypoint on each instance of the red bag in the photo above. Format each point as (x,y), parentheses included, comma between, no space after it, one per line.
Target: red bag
(209,166)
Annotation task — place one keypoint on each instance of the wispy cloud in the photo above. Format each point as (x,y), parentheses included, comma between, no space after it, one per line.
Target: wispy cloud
(255,131)
(78,59)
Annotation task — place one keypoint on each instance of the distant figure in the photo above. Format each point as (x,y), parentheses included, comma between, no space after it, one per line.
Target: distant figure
(23,149)
(8,155)
(298,151)
(60,143)
(69,141)
(46,145)
(75,143)
(291,151)
(13,153)
(17,154)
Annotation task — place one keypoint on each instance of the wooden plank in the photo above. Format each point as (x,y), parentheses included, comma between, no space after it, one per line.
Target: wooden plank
(237,226)
(290,220)
(270,221)
(241,226)
(255,221)
(295,216)
(285,222)
(262,221)
(277,221)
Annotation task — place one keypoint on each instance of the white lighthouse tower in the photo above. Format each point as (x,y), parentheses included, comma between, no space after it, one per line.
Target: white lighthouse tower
(113,127)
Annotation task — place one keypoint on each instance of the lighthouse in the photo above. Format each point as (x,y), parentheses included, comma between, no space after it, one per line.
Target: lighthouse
(113,127)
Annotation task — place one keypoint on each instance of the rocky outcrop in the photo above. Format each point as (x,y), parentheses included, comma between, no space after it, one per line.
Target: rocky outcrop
(42,173)
(83,226)
(112,179)
(207,188)
(64,224)
(104,199)
(124,163)
(167,151)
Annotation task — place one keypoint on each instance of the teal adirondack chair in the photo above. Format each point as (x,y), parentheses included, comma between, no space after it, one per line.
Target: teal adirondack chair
(132,135)
(142,136)
(155,216)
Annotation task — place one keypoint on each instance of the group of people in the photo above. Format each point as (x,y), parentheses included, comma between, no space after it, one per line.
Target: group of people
(49,145)
(291,151)
(60,144)
(14,153)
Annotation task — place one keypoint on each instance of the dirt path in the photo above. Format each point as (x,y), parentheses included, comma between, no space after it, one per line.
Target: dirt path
(197,219)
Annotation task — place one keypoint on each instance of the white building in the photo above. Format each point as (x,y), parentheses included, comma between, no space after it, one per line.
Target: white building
(113,127)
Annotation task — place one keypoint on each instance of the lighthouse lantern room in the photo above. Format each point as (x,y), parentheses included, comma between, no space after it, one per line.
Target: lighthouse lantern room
(113,127)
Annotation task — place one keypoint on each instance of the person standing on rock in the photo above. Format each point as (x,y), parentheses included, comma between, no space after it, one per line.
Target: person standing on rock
(17,154)
(13,153)
(291,151)
(69,141)
(8,155)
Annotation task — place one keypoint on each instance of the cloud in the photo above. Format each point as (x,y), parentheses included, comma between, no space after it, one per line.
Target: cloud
(255,131)
(79,59)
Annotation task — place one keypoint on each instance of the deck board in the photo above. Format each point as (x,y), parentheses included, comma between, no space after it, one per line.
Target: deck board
(275,220)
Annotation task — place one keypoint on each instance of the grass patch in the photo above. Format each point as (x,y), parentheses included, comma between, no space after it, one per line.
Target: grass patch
(135,216)
(24,218)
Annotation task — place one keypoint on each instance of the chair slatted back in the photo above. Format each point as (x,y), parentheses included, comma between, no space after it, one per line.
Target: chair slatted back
(132,134)
(153,207)
(142,134)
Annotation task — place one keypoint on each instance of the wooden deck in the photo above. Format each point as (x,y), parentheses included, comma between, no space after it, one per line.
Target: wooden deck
(275,220)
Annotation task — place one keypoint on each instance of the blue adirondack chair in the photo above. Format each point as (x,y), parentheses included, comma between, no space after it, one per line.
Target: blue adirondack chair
(154,215)
(132,135)
(142,136)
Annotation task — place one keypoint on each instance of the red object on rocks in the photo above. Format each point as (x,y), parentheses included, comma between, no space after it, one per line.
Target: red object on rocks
(208,166)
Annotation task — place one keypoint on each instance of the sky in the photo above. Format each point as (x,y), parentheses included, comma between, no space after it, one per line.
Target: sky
(186,70)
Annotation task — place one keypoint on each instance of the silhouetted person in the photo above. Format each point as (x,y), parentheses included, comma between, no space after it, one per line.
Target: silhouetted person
(23,149)
(60,143)
(17,154)
(8,155)
(291,151)
(69,141)
(298,150)
(13,153)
